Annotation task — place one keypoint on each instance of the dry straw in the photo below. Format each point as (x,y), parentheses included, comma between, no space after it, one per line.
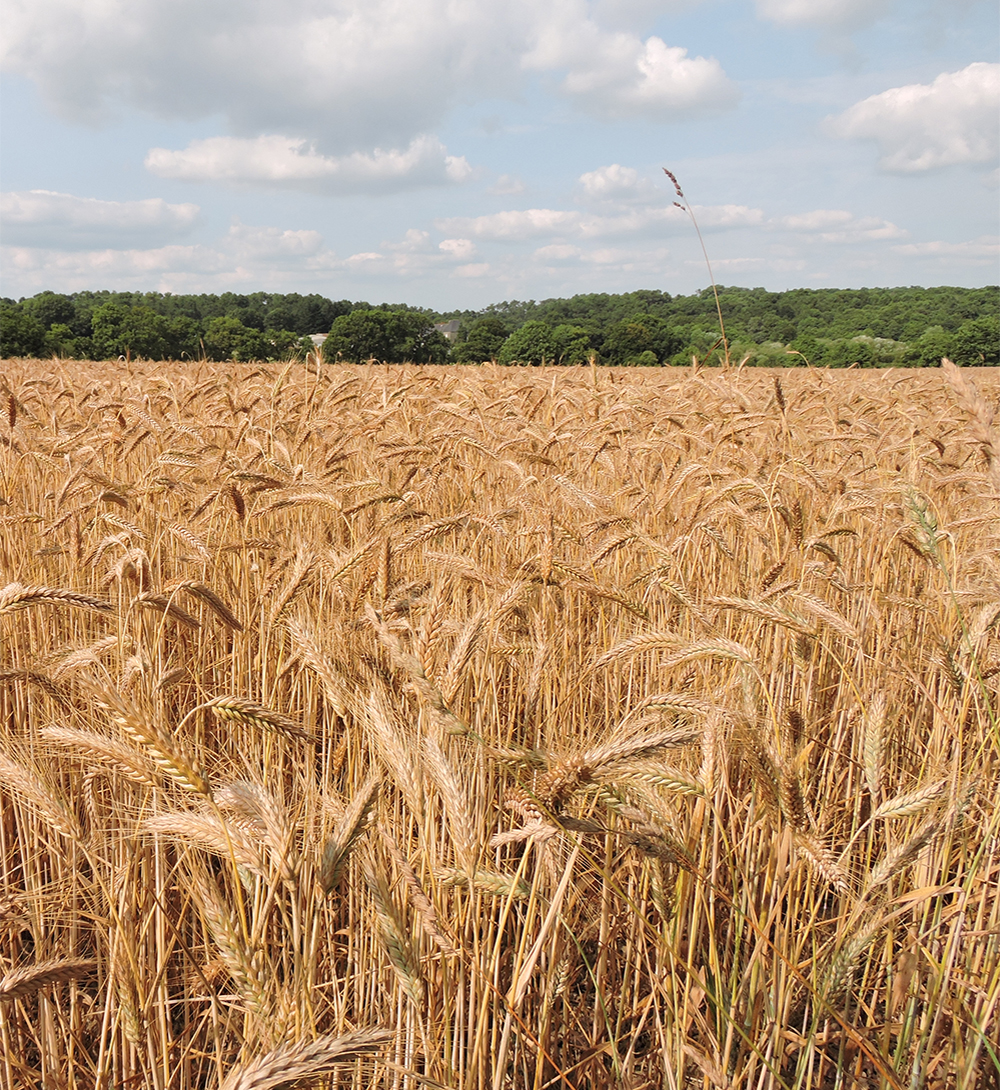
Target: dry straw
(980,414)
(594,729)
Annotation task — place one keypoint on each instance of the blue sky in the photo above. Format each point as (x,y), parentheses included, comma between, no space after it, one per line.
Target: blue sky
(453,153)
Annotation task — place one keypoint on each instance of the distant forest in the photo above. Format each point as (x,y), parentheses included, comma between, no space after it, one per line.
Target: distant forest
(826,327)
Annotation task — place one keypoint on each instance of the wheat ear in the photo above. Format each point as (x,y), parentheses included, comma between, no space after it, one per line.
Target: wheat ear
(349,830)
(258,810)
(238,710)
(210,833)
(245,964)
(53,688)
(16,596)
(30,978)
(205,594)
(305,1059)
(37,795)
(129,762)
(170,758)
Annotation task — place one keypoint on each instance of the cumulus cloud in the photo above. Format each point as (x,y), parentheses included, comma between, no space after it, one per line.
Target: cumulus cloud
(242,256)
(835,15)
(475,271)
(272,243)
(458,249)
(617,184)
(514,225)
(837,226)
(923,126)
(39,217)
(414,241)
(349,74)
(507,185)
(558,251)
(536,223)
(983,250)
(617,74)
(650,79)
(283,161)
(246,254)
(637,259)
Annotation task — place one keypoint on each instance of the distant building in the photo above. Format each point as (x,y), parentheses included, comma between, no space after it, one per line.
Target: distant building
(448,329)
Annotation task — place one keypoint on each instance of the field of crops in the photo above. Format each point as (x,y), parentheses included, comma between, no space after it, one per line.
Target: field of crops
(498,729)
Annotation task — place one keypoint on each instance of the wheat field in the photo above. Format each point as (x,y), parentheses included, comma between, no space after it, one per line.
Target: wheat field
(498,729)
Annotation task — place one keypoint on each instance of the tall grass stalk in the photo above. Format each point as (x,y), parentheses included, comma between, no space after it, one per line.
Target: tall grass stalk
(686,207)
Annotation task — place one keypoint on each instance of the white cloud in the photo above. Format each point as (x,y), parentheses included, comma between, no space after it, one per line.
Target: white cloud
(272,243)
(414,241)
(922,126)
(982,250)
(459,249)
(638,258)
(39,217)
(618,75)
(620,185)
(244,255)
(349,74)
(514,225)
(837,226)
(507,185)
(556,223)
(558,251)
(837,15)
(288,161)
(637,13)
(650,79)
(819,220)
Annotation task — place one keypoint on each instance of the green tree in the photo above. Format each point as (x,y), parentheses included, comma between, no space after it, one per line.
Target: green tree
(417,341)
(811,350)
(847,353)
(533,344)
(931,348)
(20,333)
(50,309)
(486,336)
(227,338)
(184,337)
(61,341)
(644,339)
(285,344)
(387,336)
(305,313)
(122,330)
(573,344)
(977,342)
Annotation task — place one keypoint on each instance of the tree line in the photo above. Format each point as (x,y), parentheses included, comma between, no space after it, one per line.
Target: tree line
(869,327)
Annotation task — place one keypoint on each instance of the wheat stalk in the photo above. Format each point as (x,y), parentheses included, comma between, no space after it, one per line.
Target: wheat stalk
(981,414)
(38,795)
(345,836)
(205,594)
